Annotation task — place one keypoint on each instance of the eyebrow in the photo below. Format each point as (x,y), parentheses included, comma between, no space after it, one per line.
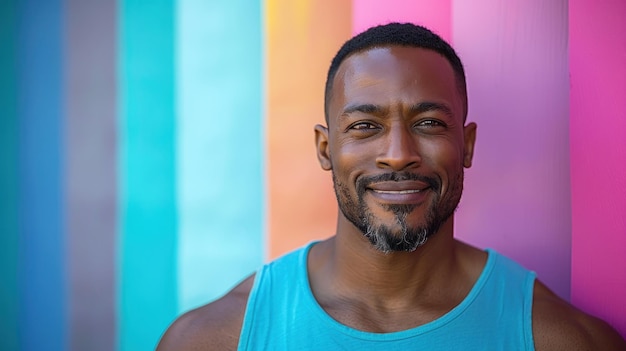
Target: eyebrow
(430,106)
(415,109)
(370,109)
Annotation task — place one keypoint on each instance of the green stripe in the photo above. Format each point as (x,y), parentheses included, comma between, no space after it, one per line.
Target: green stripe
(8,179)
(148,221)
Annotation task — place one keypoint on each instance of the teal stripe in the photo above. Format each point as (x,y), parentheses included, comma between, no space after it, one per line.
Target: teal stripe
(220,146)
(9,237)
(148,221)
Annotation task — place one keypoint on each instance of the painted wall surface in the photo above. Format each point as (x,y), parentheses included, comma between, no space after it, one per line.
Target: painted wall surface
(517,193)
(598,151)
(433,14)
(41,207)
(301,204)
(9,179)
(155,153)
(91,149)
(147,235)
(220,146)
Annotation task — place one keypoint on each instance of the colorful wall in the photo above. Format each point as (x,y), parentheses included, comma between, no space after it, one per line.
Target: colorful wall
(153,153)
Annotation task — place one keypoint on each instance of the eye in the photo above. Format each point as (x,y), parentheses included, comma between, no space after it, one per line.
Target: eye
(363,126)
(429,123)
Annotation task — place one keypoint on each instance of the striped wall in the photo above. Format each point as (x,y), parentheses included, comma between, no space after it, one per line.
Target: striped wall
(301,205)
(598,151)
(90,173)
(154,153)
(146,205)
(41,150)
(9,174)
(220,146)
(517,195)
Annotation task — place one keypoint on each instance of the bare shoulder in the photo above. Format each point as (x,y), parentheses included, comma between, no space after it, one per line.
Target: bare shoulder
(557,325)
(215,326)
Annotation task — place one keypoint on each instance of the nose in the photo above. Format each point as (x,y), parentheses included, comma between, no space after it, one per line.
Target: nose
(399,150)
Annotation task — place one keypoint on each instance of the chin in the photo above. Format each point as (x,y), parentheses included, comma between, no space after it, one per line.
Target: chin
(386,242)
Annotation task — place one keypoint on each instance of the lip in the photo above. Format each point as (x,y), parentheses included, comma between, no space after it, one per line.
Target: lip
(399,186)
(401,193)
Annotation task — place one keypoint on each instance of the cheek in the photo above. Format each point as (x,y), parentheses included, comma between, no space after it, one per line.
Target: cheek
(349,159)
(443,156)
(438,145)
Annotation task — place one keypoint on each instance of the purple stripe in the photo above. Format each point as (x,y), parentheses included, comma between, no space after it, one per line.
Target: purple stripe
(517,196)
(91,172)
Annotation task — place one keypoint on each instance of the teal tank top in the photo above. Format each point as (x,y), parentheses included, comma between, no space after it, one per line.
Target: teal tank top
(282,314)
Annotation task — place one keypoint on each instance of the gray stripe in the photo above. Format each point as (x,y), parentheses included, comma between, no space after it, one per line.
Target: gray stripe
(91,172)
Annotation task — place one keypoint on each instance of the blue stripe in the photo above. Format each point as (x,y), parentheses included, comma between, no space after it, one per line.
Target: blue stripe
(41,209)
(147,199)
(9,237)
(220,146)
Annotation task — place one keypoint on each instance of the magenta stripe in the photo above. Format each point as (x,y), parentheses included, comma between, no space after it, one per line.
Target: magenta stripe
(598,152)
(91,172)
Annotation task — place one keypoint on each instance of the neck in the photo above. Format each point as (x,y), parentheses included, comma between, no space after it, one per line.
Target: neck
(353,268)
(372,291)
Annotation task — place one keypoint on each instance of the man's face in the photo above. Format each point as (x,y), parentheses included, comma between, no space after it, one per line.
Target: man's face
(396,144)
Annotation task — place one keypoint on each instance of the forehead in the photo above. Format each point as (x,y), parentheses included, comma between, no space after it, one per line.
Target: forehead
(390,76)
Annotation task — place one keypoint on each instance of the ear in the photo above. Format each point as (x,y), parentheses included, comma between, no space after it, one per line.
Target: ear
(469,132)
(321,143)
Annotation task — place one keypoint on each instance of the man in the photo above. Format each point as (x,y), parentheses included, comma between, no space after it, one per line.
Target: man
(393,277)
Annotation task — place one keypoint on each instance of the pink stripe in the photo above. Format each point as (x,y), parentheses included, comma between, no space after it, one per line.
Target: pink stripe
(433,14)
(598,158)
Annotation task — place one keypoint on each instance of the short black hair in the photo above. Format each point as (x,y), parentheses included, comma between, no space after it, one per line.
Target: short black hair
(396,34)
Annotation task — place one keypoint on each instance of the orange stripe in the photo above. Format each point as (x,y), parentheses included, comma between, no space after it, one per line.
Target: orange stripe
(302,38)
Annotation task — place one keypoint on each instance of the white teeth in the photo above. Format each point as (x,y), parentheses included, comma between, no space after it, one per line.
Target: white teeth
(413,191)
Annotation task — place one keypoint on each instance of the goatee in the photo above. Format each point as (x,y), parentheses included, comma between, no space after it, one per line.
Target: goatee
(405,237)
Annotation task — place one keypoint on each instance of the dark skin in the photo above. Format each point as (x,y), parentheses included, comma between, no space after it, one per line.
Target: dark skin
(376,125)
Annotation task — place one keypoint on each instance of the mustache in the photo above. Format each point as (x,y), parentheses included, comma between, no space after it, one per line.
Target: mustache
(364,182)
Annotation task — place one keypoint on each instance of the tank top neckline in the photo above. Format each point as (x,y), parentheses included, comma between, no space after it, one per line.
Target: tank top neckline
(324,317)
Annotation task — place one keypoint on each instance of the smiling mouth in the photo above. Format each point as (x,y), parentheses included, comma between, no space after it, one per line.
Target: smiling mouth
(411,191)
(402,195)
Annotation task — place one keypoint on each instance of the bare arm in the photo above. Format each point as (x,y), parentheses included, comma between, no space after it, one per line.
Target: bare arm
(557,325)
(215,326)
